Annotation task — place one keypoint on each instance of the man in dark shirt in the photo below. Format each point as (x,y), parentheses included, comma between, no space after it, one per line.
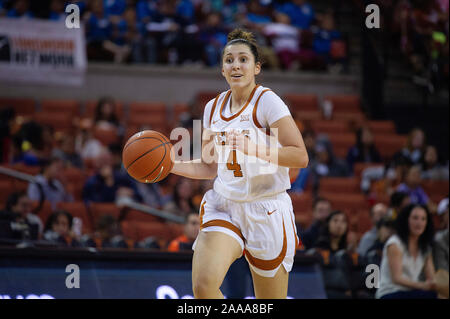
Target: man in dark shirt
(321,210)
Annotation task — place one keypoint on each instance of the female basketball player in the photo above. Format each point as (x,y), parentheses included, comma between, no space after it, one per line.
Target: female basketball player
(248,210)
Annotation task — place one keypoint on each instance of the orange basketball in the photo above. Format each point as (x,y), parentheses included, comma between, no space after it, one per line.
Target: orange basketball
(146,156)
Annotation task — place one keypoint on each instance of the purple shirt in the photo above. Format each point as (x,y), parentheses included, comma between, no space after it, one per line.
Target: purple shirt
(417,195)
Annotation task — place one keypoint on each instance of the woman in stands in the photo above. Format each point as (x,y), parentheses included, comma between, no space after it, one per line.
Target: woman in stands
(407,255)
(248,210)
(333,235)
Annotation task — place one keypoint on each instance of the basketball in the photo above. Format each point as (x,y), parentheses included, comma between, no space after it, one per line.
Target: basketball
(146,156)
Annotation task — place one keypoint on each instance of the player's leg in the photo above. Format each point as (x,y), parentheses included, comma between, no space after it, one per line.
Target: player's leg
(213,255)
(271,287)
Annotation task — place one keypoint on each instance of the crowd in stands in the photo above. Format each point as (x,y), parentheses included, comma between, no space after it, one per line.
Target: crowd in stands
(292,34)
(74,200)
(420,30)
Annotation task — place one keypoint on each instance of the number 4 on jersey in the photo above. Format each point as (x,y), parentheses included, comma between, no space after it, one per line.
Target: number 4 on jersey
(232,164)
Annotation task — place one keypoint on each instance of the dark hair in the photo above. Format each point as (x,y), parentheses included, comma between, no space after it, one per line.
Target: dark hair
(402,227)
(54,217)
(244,37)
(13,199)
(385,222)
(397,198)
(99,108)
(360,145)
(317,200)
(324,240)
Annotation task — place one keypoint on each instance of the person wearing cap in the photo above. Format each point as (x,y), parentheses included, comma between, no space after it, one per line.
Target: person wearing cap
(440,247)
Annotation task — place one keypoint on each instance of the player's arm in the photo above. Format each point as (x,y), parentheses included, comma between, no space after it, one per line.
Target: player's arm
(206,168)
(293,152)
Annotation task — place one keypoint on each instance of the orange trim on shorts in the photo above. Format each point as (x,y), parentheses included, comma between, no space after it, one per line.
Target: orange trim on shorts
(242,109)
(295,235)
(213,109)
(225,224)
(202,212)
(269,264)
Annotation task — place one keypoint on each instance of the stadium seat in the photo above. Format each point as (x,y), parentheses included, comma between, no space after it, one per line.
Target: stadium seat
(78,209)
(59,121)
(307,115)
(97,210)
(339,185)
(141,230)
(151,122)
(143,108)
(382,127)
(178,109)
(22,106)
(139,216)
(355,119)
(90,106)
(330,127)
(364,222)
(301,202)
(106,135)
(389,144)
(71,107)
(344,103)
(6,187)
(204,97)
(437,189)
(302,102)
(342,140)
(346,202)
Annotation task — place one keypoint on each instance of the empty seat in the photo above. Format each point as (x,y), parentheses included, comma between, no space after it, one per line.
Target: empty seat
(90,106)
(106,135)
(98,210)
(339,185)
(302,102)
(78,209)
(136,215)
(344,103)
(308,115)
(330,127)
(22,106)
(138,231)
(6,188)
(389,144)
(301,202)
(342,140)
(59,121)
(382,127)
(71,107)
(147,108)
(346,202)
(157,122)
(436,188)
(204,97)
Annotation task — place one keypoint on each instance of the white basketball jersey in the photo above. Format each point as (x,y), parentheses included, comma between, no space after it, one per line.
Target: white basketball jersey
(241,177)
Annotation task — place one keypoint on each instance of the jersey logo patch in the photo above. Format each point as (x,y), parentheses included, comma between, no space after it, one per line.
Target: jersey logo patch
(245,117)
(270,213)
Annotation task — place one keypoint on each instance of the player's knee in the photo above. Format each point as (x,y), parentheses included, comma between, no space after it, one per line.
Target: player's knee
(205,286)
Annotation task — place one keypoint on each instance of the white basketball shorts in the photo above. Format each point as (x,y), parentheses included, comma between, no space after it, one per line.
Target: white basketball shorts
(264,228)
